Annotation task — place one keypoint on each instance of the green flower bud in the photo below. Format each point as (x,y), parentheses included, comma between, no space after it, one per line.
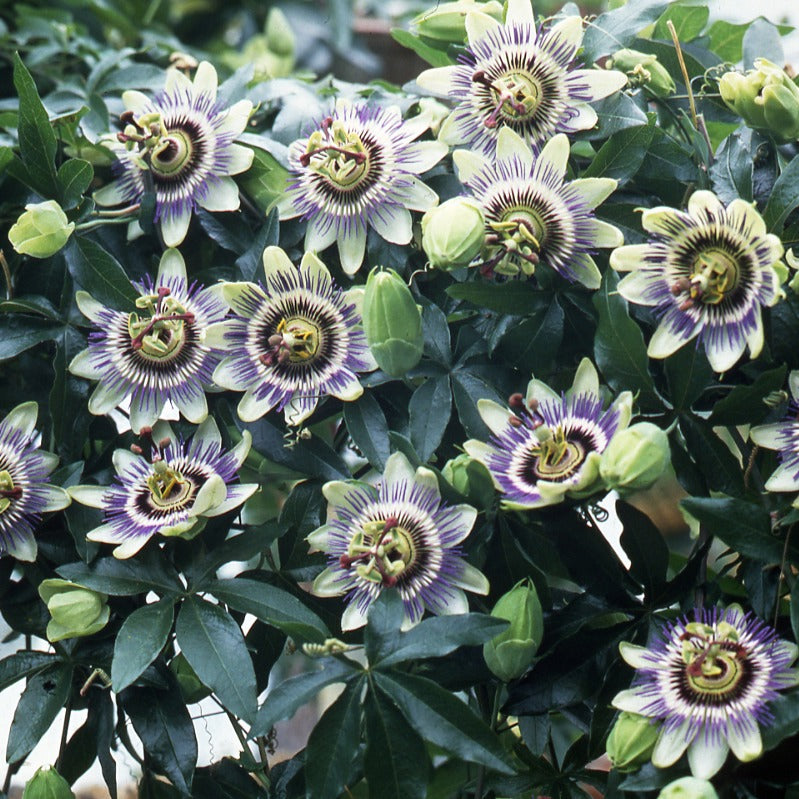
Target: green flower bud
(643,69)
(41,231)
(447,21)
(76,611)
(47,783)
(510,653)
(765,97)
(190,686)
(280,37)
(631,741)
(392,322)
(689,788)
(470,478)
(453,233)
(635,458)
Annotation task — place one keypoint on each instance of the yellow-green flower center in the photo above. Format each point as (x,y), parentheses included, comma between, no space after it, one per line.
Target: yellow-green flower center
(715,663)
(555,456)
(296,340)
(171,153)
(167,486)
(8,490)
(161,334)
(337,155)
(520,234)
(515,95)
(380,551)
(715,274)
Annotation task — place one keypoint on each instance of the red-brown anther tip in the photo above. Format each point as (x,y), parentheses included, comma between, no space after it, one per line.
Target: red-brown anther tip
(533,404)
(188,317)
(345,561)
(687,305)
(515,421)
(676,289)
(11,493)
(127,116)
(389,582)
(146,431)
(164,442)
(327,122)
(516,400)
(122,137)
(136,343)
(305,159)
(359,158)
(479,76)
(164,291)
(390,523)
(136,449)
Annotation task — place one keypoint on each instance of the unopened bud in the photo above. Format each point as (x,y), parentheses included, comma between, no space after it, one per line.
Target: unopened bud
(635,458)
(689,788)
(76,611)
(446,22)
(643,69)
(47,783)
(510,653)
(41,231)
(453,233)
(631,741)
(190,686)
(392,322)
(471,479)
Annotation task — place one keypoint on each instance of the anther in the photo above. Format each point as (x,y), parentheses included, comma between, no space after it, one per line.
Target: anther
(11,493)
(516,400)
(136,449)
(515,421)
(687,305)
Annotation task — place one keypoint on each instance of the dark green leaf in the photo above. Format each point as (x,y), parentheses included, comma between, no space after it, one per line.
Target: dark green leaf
(164,725)
(271,605)
(22,664)
(688,373)
(396,764)
(367,425)
(435,329)
(742,526)
(532,345)
(434,57)
(32,304)
(438,636)
(250,263)
(214,646)
(383,623)
(616,29)
(68,397)
(124,577)
(41,701)
(284,699)
(616,113)
(744,404)
(467,389)
(731,171)
(726,40)
(139,641)
(430,408)
(720,467)
(688,21)
(510,298)
(442,719)
(265,180)
(785,719)
(79,753)
(795,614)
(332,745)
(622,154)
(646,548)
(37,141)
(784,198)
(97,272)
(619,346)
(304,508)
(19,333)
(75,177)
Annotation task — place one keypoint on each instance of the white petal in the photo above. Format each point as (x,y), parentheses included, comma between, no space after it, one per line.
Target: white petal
(240,452)
(319,235)
(236,495)
(663,343)
(350,391)
(213,492)
(89,495)
(586,271)
(418,196)
(554,157)
(722,353)
(223,195)
(586,380)
(236,119)
(745,740)
(520,12)
(783,479)
(239,159)
(206,433)
(450,131)
(584,118)
(312,266)
(277,263)
(540,391)
(467,164)
(174,227)
(701,202)
(635,286)
(468,516)
(594,190)
(23,547)
(670,746)
(205,80)
(606,235)
(634,655)
(89,307)
(112,194)
(55,498)
(124,459)
(105,399)
(171,265)
(176,82)
(437,80)
(629,257)
(398,470)
(351,249)
(23,418)
(353,617)
(569,31)
(600,82)
(768,435)
(473,580)
(706,756)
(142,414)
(754,340)
(251,409)
(136,101)
(423,155)
(478,25)
(494,415)
(510,145)
(632,701)
(393,223)
(328,583)
(456,604)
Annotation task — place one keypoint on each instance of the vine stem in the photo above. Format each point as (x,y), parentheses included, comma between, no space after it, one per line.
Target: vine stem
(7,276)
(782,574)
(64,733)
(691,101)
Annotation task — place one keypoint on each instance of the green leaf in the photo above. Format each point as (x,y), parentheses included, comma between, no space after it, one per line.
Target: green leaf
(214,646)
(646,548)
(333,744)
(784,721)
(732,169)
(688,373)
(140,640)
(99,273)
(430,408)
(285,699)
(744,404)
(726,40)
(784,198)
(443,720)
(20,332)
(265,180)
(762,40)
(434,57)
(467,389)
(621,156)
(22,664)
(250,263)
(794,614)
(532,344)
(383,622)
(742,526)
(688,20)
(367,425)
(616,29)
(510,298)
(615,113)
(271,605)
(163,723)
(719,466)
(75,177)
(438,636)
(68,397)
(37,141)
(124,577)
(43,697)
(619,346)
(396,764)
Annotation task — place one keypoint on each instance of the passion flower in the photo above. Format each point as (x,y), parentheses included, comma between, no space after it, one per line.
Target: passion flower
(547,446)
(398,535)
(709,682)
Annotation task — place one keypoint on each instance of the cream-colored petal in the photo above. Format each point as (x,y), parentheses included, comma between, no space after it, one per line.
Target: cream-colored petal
(635,286)
(353,617)
(670,746)
(398,470)
(723,354)
(212,493)
(437,80)
(418,196)
(783,479)
(586,271)
(768,435)
(54,498)
(631,701)
(328,583)
(554,156)
(634,656)
(393,223)
(223,195)
(663,343)
(606,235)
(478,25)
(594,190)
(706,755)
(251,409)
(744,216)
(235,120)
(176,82)
(174,227)
(520,12)
(745,740)
(586,380)
(629,257)
(23,418)
(105,398)
(423,155)
(171,265)
(471,579)
(583,118)
(351,250)
(319,235)
(136,101)
(467,164)
(703,201)
(89,307)
(511,145)
(494,415)
(88,495)
(205,80)
(239,159)
(601,82)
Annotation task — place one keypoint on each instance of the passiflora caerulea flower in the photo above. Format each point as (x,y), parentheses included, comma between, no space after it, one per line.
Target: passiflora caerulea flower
(784,438)
(358,169)
(515,76)
(548,445)
(706,272)
(155,355)
(171,490)
(709,682)
(182,140)
(24,493)
(292,341)
(400,535)
(532,214)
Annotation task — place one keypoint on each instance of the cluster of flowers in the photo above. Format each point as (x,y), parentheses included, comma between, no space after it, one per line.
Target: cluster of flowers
(298,337)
